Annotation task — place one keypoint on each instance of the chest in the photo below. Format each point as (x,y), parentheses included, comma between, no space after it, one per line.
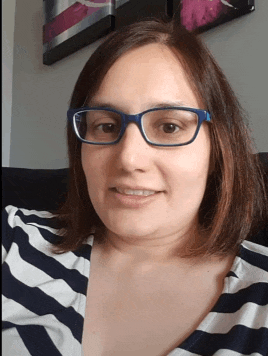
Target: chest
(148,316)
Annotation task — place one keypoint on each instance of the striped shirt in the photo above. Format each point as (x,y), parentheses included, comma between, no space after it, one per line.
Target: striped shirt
(44,296)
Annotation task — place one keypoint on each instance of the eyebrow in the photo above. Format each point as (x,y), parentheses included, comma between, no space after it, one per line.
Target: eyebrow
(166,104)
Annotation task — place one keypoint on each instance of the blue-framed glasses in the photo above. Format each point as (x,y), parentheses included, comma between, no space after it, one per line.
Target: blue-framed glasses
(168,126)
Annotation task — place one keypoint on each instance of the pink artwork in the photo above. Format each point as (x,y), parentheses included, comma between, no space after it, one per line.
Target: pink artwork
(70,17)
(197,13)
(70,25)
(204,14)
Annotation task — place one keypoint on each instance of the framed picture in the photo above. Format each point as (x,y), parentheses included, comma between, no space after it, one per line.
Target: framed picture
(201,15)
(71,25)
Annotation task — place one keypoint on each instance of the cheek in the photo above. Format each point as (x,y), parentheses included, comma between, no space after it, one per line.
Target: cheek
(188,177)
(189,171)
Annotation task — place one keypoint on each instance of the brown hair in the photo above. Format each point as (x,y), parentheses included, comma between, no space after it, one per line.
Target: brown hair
(234,201)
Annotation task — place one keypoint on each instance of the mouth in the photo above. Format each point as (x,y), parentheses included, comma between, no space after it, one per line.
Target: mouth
(135,192)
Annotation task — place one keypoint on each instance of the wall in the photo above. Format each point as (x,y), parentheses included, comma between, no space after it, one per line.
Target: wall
(241,49)
(8,8)
(41,93)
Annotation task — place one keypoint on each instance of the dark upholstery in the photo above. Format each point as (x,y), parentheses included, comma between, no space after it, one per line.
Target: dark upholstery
(40,189)
(45,189)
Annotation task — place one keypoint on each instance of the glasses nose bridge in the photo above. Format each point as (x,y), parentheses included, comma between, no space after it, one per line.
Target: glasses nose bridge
(136,119)
(132,118)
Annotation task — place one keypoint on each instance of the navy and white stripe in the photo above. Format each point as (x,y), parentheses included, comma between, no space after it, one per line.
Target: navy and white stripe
(44,296)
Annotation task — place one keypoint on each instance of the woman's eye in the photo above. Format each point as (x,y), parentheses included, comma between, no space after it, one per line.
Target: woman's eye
(170,128)
(107,128)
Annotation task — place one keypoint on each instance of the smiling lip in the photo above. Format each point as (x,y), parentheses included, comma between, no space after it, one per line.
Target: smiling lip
(135,191)
(134,197)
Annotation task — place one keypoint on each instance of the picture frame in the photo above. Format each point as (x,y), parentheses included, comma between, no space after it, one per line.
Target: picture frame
(201,15)
(70,25)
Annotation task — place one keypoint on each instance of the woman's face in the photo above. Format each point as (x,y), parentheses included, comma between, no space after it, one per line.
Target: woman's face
(142,79)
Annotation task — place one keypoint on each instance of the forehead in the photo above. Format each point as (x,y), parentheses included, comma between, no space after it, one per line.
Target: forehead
(149,74)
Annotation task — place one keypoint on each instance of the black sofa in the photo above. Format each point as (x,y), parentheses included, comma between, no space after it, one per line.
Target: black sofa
(39,189)
(45,189)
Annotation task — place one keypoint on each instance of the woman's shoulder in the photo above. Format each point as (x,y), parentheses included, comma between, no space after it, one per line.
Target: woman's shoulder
(26,214)
(39,285)
(16,216)
(24,227)
(27,233)
(250,246)
(252,262)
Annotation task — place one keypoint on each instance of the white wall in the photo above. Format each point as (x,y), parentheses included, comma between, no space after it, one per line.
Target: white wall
(8,23)
(41,93)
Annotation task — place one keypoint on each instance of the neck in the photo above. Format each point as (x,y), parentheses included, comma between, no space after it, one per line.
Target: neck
(151,251)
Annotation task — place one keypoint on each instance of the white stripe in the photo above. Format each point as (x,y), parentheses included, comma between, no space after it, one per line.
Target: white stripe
(48,228)
(32,276)
(234,285)
(225,352)
(59,333)
(249,245)
(45,215)
(40,213)
(11,210)
(16,313)
(248,272)
(89,240)
(250,315)
(12,344)
(4,254)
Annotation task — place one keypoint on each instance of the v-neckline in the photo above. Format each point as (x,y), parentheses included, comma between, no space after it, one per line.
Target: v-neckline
(203,325)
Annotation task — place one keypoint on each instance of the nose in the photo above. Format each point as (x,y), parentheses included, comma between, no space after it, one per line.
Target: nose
(133,152)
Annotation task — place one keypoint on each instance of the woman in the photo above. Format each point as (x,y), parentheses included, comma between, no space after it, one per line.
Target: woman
(164,179)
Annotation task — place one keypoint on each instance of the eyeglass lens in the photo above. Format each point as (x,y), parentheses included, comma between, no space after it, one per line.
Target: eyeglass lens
(172,126)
